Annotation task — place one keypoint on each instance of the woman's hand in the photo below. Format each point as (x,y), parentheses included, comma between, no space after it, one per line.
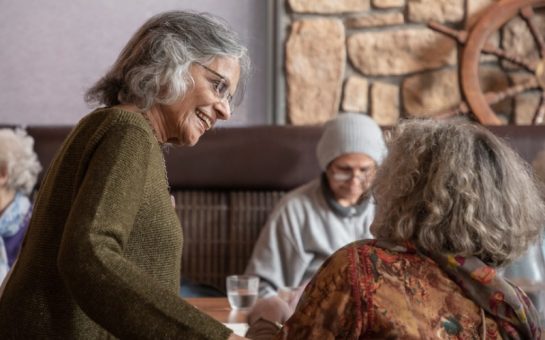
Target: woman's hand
(292,295)
(273,309)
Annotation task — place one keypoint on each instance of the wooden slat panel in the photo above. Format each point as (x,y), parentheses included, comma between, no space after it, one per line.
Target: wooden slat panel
(220,230)
(203,216)
(249,212)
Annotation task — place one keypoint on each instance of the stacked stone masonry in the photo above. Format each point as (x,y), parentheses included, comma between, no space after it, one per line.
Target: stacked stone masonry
(379,57)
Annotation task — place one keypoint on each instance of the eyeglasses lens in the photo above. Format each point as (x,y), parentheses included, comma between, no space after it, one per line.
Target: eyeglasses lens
(343,176)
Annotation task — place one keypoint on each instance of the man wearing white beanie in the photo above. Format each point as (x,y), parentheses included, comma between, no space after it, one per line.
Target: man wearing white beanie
(313,221)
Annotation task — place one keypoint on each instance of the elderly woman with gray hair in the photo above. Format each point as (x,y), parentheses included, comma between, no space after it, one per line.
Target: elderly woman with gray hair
(454,203)
(19,169)
(103,251)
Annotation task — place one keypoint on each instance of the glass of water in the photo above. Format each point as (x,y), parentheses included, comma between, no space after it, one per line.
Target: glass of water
(242,291)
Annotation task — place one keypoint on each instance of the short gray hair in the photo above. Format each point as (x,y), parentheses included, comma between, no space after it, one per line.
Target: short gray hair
(154,65)
(453,187)
(18,158)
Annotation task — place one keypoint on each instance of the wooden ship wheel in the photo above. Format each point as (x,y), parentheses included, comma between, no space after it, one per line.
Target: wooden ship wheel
(477,42)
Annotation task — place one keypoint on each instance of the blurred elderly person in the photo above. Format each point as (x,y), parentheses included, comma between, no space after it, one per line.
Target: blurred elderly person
(103,252)
(528,272)
(316,219)
(19,169)
(454,203)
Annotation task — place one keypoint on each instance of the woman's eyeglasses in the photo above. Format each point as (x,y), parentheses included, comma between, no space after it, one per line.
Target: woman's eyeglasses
(347,175)
(221,87)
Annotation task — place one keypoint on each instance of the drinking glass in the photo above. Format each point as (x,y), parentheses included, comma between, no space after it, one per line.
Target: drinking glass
(242,291)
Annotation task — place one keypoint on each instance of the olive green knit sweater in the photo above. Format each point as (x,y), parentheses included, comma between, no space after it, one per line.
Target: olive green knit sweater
(103,251)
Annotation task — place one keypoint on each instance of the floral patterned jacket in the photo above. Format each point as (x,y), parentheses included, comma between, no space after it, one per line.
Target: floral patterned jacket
(368,292)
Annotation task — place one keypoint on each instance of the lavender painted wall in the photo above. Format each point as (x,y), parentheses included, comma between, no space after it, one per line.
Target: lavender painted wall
(52,51)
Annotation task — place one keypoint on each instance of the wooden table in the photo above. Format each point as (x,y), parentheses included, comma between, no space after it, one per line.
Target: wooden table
(219,309)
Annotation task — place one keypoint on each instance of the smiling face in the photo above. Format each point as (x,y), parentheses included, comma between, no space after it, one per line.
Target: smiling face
(188,118)
(350,177)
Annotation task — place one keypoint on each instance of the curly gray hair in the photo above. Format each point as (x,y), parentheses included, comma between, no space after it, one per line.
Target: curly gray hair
(154,65)
(453,187)
(18,160)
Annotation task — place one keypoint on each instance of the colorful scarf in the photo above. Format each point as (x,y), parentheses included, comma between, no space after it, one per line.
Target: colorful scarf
(513,311)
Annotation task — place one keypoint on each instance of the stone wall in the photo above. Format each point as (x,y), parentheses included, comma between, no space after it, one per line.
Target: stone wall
(379,57)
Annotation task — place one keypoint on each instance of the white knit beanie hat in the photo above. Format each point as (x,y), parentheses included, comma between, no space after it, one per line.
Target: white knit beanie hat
(350,133)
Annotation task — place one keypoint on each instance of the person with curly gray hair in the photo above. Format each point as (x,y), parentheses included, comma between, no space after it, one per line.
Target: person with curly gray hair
(19,169)
(454,203)
(103,252)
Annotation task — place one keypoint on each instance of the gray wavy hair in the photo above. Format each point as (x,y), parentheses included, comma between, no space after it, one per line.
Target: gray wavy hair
(453,187)
(18,158)
(154,65)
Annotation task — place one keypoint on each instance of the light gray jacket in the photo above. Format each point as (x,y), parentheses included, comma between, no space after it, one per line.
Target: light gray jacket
(301,232)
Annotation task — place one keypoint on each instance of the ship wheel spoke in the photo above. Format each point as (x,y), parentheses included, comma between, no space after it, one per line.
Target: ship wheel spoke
(540,112)
(460,36)
(460,109)
(488,48)
(529,65)
(528,15)
(495,97)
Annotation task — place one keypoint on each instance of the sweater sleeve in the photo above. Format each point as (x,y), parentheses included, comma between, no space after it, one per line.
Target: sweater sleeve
(278,258)
(118,295)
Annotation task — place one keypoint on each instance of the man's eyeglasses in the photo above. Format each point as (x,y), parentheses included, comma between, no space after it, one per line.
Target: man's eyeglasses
(221,87)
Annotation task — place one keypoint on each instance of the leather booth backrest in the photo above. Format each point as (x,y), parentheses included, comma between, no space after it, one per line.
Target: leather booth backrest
(260,157)
(247,158)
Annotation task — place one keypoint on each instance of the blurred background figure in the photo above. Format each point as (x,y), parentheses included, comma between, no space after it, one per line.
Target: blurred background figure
(19,169)
(316,219)
(528,272)
(454,204)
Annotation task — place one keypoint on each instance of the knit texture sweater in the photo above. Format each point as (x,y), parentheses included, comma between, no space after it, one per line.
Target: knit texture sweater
(103,251)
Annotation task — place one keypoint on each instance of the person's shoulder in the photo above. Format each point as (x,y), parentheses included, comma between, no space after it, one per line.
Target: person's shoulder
(343,259)
(360,244)
(111,128)
(117,117)
(103,121)
(293,205)
(356,246)
(384,253)
(304,189)
(296,202)
(301,193)
(362,247)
